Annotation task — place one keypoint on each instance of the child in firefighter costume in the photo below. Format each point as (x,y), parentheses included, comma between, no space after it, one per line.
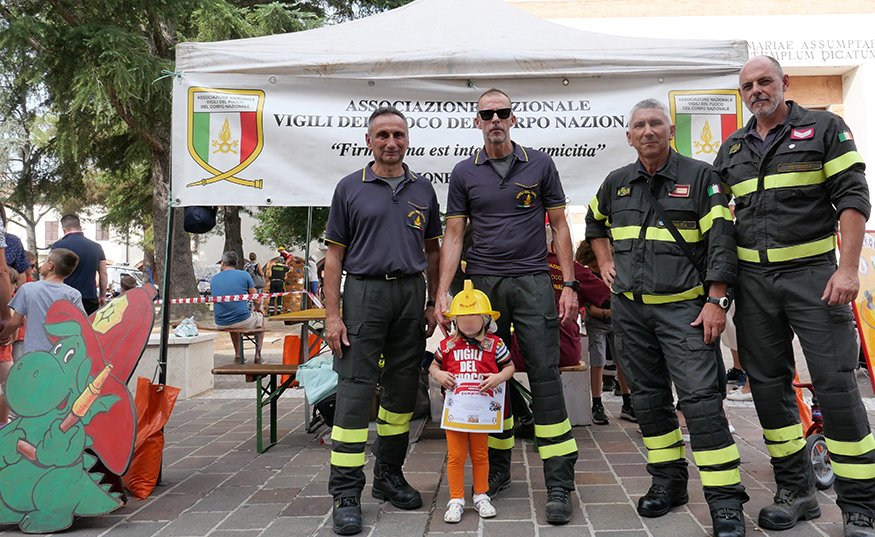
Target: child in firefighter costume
(472,353)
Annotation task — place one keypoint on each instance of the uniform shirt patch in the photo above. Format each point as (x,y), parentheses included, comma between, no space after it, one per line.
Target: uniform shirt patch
(846,136)
(624,191)
(714,189)
(799,167)
(802,134)
(735,148)
(680,191)
(679,224)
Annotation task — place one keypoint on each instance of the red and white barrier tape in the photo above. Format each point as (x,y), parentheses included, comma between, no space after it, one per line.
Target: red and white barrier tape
(236,298)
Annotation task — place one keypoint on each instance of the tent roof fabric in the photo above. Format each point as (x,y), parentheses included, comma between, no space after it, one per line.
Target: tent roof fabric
(453,39)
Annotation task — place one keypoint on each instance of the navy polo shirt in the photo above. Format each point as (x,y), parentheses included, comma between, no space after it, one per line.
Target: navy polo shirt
(90,255)
(383,233)
(507,214)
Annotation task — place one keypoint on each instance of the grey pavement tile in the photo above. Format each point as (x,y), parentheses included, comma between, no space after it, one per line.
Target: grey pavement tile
(674,524)
(426,481)
(398,523)
(312,457)
(595,478)
(314,489)
(236,533)
(201,483)
(512,508)
(283,480)
(496,528)
(216,448)
(283,496)
(249,478)
(626,458)
(563,531)
(630,470)
(301,526)
(258,516)
(312,506)
(223,500)
(621,534)
(191,524)
(167,507)
(613,517)
(591,494)
(83,527)
(585,455)
(192,463)
(136,529)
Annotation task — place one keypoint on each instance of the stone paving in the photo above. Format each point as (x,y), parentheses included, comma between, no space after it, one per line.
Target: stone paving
(216,484)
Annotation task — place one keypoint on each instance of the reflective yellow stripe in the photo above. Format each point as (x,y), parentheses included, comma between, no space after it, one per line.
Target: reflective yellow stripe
(783,180)
(777,255)
(552,431)
(783,434)
(716,212)
(853,471)
(716,456)
(654,234)
(557,450)
(744,187)
(656,456)
(594,205)
(349,460)
(786,448)
(508,423)
(393,418)
(500,443)
(727,189)
(720,479)
(387,429)
(664,441)
(851,449)
(842,163)
(350,436)
(665,299)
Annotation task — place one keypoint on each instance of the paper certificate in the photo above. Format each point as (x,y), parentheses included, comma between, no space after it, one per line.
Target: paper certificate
(468,409)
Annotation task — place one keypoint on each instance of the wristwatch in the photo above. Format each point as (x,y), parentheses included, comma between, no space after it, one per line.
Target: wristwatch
(723,301)
(573,284)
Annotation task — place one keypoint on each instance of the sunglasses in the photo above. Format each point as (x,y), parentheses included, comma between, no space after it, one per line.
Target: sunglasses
(486,115)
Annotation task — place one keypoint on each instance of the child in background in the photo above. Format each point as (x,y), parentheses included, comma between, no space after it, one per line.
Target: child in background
(35,298)
(127,283)
(6,358)
(490,363)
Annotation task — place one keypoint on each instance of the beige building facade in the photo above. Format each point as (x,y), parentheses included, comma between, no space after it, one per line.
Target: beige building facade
(827,47)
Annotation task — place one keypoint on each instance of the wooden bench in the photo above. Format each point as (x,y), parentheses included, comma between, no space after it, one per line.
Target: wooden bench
(264,395)
(252,336)
(576,390)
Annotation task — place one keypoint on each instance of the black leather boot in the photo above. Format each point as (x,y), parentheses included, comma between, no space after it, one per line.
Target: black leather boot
(858,525)
(728,522)
(389,484)
(790,506)
(347,514)
(660,499)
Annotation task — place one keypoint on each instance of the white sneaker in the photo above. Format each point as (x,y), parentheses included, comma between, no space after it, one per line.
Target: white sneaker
(739,395)
(454,511)
(484,506)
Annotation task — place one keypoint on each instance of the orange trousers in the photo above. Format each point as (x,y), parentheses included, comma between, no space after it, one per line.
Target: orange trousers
(459,444)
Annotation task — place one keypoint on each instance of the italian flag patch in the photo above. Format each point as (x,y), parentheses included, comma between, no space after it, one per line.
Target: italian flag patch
(714,189)
(845,136)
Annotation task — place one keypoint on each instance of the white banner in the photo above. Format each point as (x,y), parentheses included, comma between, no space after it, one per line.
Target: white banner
(287,141)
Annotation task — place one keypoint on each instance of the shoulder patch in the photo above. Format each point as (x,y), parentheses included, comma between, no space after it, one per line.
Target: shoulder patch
(735,148)
(714,189)
(845,136)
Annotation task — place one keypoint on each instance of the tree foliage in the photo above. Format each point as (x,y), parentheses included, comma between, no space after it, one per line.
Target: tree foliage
(287,226)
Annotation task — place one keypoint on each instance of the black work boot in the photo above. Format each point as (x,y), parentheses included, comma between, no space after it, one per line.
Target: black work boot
(659,499)
(498,481)
(347,514)
(389,484)
(728,522)
(790,506)
(858,525)
(558,509)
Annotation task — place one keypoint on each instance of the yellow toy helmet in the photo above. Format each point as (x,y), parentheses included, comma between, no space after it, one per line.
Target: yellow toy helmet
(471,302)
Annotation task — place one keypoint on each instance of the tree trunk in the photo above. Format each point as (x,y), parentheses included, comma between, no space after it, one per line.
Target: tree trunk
(233,236)
(184,284)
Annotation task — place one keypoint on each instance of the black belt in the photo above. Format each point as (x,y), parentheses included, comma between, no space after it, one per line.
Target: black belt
(392,276)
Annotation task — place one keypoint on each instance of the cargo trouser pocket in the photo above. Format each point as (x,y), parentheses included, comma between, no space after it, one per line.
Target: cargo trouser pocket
(844,337)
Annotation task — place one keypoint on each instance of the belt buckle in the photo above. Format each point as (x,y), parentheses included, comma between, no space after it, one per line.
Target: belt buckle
(390,277)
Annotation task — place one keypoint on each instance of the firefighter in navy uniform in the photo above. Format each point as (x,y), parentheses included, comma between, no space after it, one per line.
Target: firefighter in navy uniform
(666,319)
(383,230)
(794,173)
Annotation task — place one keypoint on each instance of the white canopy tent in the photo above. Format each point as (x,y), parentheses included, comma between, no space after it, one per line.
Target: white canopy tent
(279,120)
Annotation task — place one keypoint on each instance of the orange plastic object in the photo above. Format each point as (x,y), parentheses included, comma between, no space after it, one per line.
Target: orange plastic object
(154,404)
(292,352)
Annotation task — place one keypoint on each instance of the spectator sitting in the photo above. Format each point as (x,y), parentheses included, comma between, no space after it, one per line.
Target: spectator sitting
(236,315)
(6,359)
(127,283)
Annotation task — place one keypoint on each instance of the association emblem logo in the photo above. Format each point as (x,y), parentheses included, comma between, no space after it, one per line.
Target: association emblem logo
(703,120)
(225,133)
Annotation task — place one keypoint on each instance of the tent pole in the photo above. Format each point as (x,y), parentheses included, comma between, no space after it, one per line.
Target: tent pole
(165,295)
(305,300)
